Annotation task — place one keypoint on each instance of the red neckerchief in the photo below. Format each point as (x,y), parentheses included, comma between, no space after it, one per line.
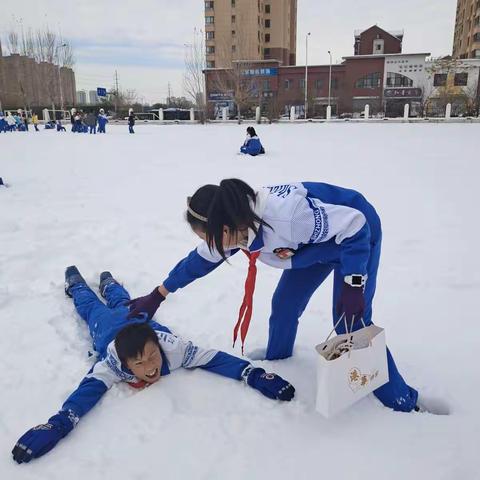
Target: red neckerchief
(245,313)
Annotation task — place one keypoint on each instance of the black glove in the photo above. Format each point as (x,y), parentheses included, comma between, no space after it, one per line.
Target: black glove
(351,302)
(269,384)
(148,304)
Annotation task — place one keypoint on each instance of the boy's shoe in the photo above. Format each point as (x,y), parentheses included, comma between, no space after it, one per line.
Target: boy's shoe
(72,277)
(106,279)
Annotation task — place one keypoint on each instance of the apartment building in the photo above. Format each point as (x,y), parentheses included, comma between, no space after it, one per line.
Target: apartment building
(250,29)
(466,42)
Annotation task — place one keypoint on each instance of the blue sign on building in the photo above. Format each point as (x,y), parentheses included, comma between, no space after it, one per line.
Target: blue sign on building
(101,92)
(260,72)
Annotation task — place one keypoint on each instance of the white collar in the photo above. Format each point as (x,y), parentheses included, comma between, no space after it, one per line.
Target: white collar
(259,209)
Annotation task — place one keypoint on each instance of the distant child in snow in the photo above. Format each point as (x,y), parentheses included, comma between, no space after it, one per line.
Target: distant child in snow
(102,121)
(60,127)
(35,122)
(11,123)
(3,123)
(137,351)
(91,122)
(252,144)
(131,121)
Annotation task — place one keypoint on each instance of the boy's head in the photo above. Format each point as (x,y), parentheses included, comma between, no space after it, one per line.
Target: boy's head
(138,349)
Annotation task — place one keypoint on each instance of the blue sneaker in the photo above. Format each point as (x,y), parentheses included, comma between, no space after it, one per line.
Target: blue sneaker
(72,277)
(106,279)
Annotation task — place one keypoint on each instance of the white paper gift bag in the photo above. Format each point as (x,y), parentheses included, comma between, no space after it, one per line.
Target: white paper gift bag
(350,366)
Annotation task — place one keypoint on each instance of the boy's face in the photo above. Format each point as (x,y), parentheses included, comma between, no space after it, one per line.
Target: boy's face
(147,366)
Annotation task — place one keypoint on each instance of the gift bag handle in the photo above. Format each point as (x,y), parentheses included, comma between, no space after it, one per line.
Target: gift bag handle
(344,318)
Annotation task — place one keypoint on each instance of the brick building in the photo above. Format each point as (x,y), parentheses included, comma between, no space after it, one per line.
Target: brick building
(376,41)
(466,42)
(26,83)
(253,29)
(384,81)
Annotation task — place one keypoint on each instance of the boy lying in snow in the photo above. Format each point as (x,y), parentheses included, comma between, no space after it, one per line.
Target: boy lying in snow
(137,351)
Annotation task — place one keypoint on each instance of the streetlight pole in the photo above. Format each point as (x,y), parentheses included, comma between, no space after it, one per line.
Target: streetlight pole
(62,106)
(330,79)
(306,74)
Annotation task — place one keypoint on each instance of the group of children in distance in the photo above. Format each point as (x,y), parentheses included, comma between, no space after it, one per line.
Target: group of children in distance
(16,122)
(87,122)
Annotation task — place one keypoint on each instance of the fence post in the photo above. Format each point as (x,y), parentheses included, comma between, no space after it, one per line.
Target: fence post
(448,111)
(224,113)
(257,115)
(366,112)
(160,114)
(329,112)
(406,111)
(292,114)
(192,115)
(46,115)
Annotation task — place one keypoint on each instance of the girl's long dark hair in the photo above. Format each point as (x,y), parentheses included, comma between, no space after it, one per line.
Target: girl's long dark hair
(225,204)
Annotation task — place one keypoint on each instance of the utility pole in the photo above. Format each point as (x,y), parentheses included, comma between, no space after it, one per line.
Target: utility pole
(116,91)
(306,74)
(169,95)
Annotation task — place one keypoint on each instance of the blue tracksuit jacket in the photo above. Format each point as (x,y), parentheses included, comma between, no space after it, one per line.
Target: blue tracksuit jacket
(329,229)
(252,146)
(104,322)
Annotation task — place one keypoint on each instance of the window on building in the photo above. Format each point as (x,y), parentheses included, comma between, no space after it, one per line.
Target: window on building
(267,37)
(267,8)
(233,33)
(234,48)
(233,3)
(266,85)
(372,80)
(398,80)
(209,20)
(210,35)
(210,49)
(287,84)
(334,83)
(302,83)
(476,37)
(476,53)
(267,23)
(208,5)
(440,80)
(461,79)
(233,18)
(318,83)
(378,46)
(210,64)
(266,52)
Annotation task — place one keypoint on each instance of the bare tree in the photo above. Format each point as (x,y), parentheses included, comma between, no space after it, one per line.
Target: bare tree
(436,98)
(193,78)
(12,42)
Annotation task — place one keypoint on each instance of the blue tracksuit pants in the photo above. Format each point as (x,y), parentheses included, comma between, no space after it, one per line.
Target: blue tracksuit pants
(104,321)
(291,296)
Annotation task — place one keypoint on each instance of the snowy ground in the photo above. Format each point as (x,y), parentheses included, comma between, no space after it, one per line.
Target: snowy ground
(116,202)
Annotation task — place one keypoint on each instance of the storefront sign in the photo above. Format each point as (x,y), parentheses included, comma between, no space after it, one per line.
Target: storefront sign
(403,92)
(260,72)
(219,96)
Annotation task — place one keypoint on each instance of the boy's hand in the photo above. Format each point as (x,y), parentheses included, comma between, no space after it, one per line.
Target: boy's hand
(271,385)
(41,439)
(148,304)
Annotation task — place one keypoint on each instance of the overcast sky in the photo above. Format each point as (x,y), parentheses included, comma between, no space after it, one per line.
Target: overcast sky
(145,39)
